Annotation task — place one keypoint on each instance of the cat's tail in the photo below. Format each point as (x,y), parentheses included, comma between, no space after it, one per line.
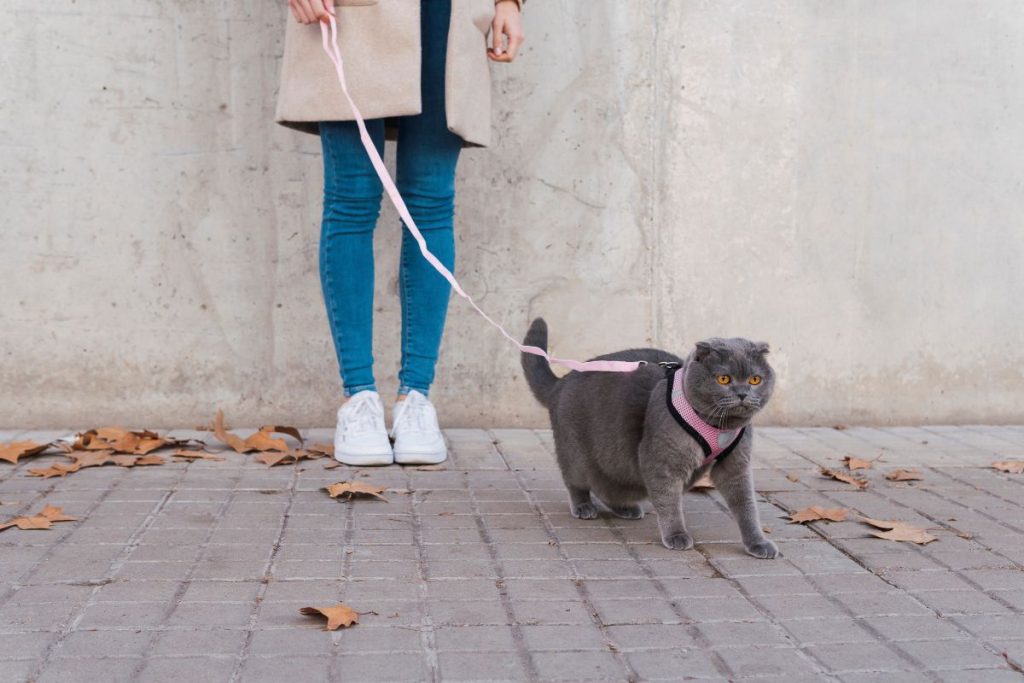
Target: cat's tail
(536,368)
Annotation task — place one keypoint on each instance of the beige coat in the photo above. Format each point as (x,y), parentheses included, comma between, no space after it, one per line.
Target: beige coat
(380,43)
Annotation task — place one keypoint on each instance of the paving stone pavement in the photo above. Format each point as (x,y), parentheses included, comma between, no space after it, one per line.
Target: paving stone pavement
(196,571)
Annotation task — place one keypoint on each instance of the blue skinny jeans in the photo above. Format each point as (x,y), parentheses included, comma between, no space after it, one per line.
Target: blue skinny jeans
(427,155)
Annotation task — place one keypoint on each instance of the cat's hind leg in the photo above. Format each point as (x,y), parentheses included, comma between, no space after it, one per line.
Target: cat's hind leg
(620,508)
(580,505)
(635,511)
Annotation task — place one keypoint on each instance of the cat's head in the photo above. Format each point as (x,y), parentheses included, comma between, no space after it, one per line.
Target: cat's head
(729,379)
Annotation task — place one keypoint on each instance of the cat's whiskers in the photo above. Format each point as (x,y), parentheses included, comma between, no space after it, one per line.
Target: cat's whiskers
(720,411)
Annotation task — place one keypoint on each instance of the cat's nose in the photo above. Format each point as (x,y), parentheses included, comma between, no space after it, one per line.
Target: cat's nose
(741,395)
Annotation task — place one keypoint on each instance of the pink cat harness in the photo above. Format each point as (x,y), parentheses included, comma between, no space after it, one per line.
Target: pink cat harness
(716,443)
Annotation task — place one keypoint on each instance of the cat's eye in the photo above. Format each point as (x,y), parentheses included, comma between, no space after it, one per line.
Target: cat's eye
(724,379)
(755,380)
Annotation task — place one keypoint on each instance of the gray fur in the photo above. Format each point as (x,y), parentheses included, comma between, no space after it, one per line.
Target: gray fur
(616,442)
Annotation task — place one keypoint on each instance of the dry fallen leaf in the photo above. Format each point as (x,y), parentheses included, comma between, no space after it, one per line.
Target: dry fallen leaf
(92,458)
(1009,466)
(195,455)
(272,459)
(57,469)
(83,459)
(904,475)
(853,463)
(322,449)
(44,520)
(20,449)
(339,616)
(331,465)
(847,478)
(122,441)
(839,428)
(816,513)
(899,531)
(262,440)
(792,477)
(703,484)
(352,488)
(429,468)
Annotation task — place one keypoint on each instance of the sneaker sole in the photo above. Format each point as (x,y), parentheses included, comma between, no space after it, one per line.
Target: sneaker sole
(421,458)
(372,460)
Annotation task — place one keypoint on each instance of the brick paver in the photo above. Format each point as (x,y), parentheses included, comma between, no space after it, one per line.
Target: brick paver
(197,571)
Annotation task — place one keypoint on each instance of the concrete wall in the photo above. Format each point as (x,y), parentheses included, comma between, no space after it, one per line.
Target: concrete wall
(842,179)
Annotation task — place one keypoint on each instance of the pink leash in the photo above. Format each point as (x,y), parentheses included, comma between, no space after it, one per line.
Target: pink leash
(330,40)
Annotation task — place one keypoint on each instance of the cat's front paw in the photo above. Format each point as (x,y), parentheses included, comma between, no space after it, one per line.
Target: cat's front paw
(678,541)
(584,511)
(764,550)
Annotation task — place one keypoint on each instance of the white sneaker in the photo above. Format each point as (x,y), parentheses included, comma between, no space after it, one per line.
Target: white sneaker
(418,438)
(360,437)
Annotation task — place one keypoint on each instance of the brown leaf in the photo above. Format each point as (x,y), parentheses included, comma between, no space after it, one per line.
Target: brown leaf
(44,520)
(143,460)
(341,615)
(322,448)
(227,437)
(792,477)
(1009,466)
(839,428)
(853,463)
(904,475)
(195,455)
(272,459)
(283,429)
(331,465)
(121,441)
(703,484)
(846,478)
(56,514)
(124,460)
(354,488)
(145,446)
(91,458)
(20,449)
(429,468)
(899,531)
(816,513)
(262,440)
(28,523)
(57,469)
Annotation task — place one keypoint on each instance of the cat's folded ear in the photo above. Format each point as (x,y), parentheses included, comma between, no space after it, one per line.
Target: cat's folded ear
(761,348)
(703,350)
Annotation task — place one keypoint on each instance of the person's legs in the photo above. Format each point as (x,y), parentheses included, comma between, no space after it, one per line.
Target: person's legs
(427,155)
(352,195)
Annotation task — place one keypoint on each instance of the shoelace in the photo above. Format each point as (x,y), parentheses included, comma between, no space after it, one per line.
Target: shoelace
(363,417)
(414,415)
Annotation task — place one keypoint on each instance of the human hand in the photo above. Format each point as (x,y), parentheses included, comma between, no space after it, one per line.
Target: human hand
(507,26)
(311,11)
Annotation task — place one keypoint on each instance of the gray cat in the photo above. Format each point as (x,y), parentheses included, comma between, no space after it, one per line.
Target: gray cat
(625,437)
